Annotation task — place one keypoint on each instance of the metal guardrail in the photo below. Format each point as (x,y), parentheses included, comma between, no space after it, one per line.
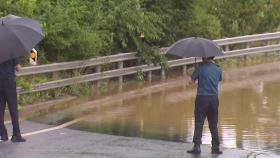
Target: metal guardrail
(131,56)
(76,64)
(144,68)
(248,38)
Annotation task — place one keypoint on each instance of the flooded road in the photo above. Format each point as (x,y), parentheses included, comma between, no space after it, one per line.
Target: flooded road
(249,115)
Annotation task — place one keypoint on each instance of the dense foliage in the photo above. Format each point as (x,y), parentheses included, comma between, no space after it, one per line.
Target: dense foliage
(80,29)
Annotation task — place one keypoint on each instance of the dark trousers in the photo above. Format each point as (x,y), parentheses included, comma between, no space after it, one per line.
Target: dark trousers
(8,94)
(206,106)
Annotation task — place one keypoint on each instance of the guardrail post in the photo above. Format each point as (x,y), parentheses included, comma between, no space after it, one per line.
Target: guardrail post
(150,74)
(184,70)
(120,66)
(163,75)
(76,72)
(266,53)
(245,56)
(98,70)
(55,76)
(279,50)
(227,48)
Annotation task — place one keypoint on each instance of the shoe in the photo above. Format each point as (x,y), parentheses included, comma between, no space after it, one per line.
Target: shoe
(195,150)
(4,137)
(216,151)
(17,138)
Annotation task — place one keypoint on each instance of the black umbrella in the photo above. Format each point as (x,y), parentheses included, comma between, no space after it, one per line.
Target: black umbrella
(18,35)
(195,47)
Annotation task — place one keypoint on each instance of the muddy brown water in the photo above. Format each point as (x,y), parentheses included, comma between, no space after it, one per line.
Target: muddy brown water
(249,115)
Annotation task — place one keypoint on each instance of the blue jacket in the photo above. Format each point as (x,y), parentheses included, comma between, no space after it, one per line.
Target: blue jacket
(7,69)
(208,76)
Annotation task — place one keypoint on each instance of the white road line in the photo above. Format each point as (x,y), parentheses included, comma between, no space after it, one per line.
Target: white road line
(65,124)
(53,128)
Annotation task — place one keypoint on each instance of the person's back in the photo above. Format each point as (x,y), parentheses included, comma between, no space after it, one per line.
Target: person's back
(7,69)
(208,75)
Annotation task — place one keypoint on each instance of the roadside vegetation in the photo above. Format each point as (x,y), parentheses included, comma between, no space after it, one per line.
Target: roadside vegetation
(83,29)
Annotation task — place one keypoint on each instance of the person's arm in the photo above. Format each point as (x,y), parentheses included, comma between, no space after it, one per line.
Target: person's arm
(194,76)
(192,81)
(18,67)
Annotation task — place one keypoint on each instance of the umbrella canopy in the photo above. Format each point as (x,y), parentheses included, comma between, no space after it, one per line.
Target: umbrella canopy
(18,35)
(195,47)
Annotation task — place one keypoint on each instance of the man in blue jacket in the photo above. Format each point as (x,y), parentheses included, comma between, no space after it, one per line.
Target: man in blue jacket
(208,75)
(8,94)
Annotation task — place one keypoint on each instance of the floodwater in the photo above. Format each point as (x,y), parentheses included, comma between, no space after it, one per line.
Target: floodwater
(249,115)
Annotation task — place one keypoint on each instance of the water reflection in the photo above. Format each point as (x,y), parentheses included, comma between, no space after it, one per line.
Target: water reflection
(253,115)
(249,117)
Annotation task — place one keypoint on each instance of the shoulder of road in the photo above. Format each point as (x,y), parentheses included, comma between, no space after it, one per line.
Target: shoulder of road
(64,143)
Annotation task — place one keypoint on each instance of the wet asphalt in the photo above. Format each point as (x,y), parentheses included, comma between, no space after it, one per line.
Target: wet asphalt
(68,143)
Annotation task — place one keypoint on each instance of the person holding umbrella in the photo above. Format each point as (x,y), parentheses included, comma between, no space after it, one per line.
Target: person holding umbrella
(18,35)
(208,75)
(8,95)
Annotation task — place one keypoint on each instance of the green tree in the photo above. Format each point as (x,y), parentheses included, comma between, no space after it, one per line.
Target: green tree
(69,35)
(80,29)
(127,20)
(202,23)
(239,17)
(175,14)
